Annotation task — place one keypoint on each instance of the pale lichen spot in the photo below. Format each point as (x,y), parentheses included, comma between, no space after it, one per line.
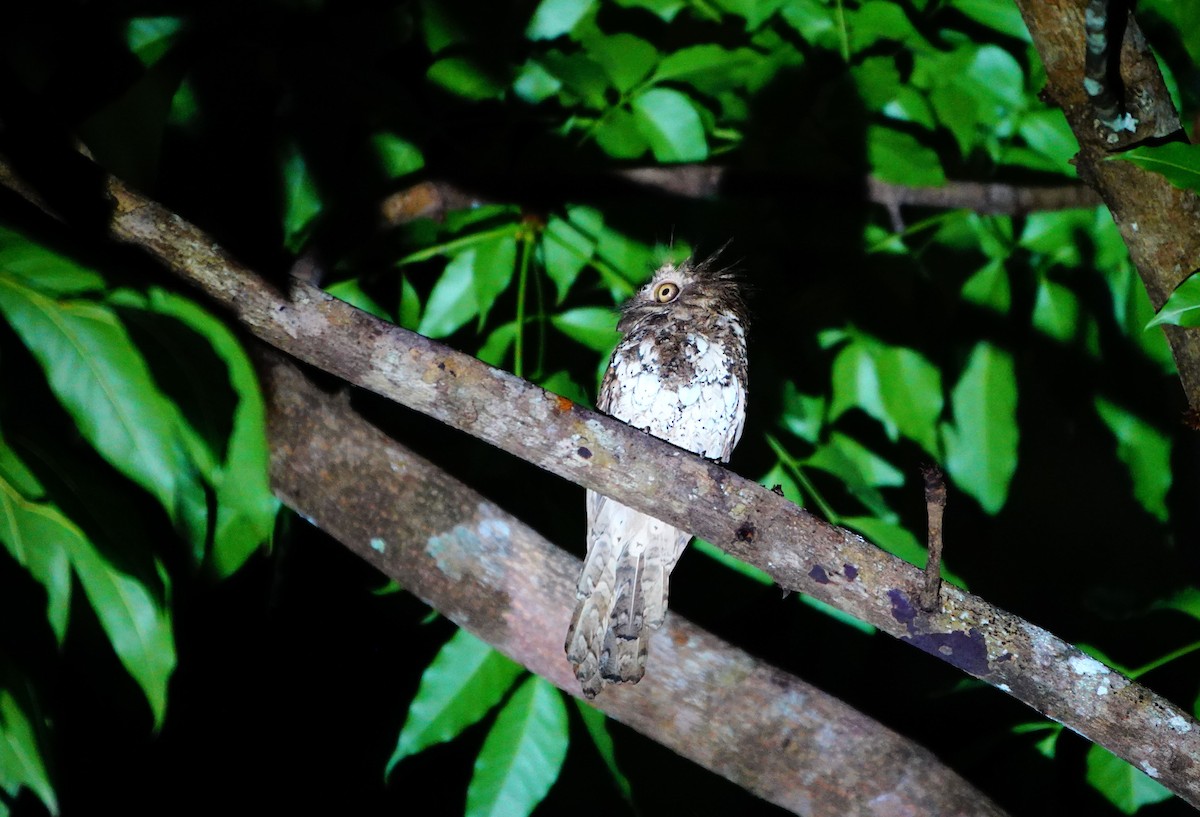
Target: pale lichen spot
(1179,724)
(1004,687)
(1086,665)
(378,545)
(1149,770)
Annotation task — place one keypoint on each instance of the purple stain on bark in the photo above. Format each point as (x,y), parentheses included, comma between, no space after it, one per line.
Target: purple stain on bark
(586,453)
(818,575)
(967,651)
(850,571)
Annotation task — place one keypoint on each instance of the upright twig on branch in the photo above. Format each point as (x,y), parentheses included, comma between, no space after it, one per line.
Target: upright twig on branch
(795,548)
(935,502)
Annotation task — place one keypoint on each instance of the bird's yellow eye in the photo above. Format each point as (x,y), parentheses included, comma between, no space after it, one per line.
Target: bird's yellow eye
(666,292)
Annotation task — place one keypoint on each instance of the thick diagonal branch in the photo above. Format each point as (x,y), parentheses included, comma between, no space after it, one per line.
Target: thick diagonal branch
(765,730)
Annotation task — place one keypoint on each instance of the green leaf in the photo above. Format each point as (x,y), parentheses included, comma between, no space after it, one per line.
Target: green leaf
(593,326)
(1146,452)
(45,270)
(492,272)
(898,541)
(596,724)
(981,445)
(732,562)
(246,507)
(899,158)
(581,76)
(452,302)
(708,68)
(398,157)
(560,382)
(989,287)
(151,37)
(136,624)
(1183,307)
(495,348)
(837,615)
(1003,17)
(756,12)
(779,476)
(877,20)
(859,469)
(664,9)
(462,683)
(1177,161)
(21,762)
(626,59)
(534,83)
(522,754)
(565,252)
(814,21)
(1122,785)
(671,125)
(619,135)
(1056,310)
(1047,132)
(897,386)
(103,382)
(301,200)
(351,291)
(553,18)
(409,312)
(28,530)
(461,76)
(803,415)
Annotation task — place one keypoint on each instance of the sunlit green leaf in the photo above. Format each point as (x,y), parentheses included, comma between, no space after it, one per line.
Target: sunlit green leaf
(596,722)
(619,135)
(1177,161)
(899,387)
(813,20)
(580,75)
(626,59)
(1048,132)
(803,415)
(39,268)
(397,156)
(452,302)
(464,77)
(1122,785)
(709,68)
(21,762)
(899,158)
(409,312)
(553,18)
(981,444)
(860,470)
(534,83)
(1004,17)
(492,271)
(103,381)
(27,530)
(1056,310)
(671,125)
(989,287)
(1146,451)
(301,199)
(462,683)
(522,754)
(565,252)
(1183,307)
(499,341)
(151,37)
(136,624)
(664,9)
(351,291)
(733,563)
(245,505)
(878,20)
(593,326)
(779,477)
(561,383)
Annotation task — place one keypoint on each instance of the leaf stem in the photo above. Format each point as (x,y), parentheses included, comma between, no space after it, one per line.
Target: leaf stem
(522,282)
(449,247)
(794,467)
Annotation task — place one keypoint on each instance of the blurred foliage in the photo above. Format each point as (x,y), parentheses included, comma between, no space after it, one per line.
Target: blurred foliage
(1011,350)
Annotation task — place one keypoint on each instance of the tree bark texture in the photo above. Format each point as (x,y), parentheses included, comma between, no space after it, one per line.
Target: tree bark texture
(799,551)
(1159,222)
(706,700)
